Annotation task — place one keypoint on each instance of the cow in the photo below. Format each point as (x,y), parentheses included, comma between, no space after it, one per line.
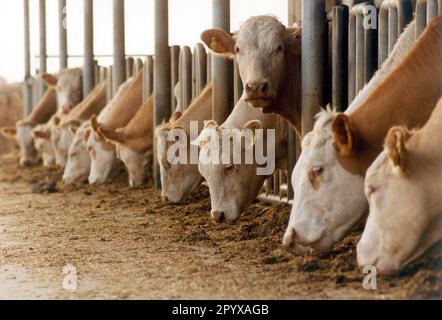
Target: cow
(404,190)
(22,132)
(178,181)
(133,142)
(269,61)
(79,161)
(42,140)
(63,132)
(102,152)
(69,86)
(11,109)
(233,186)
(328,179)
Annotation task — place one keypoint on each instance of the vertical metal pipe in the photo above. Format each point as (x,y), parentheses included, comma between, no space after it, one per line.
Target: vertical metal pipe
(340,58)
(199,70)
(440,6)
(148,78)
(314,59)
(432,10)
(174,73)
(63,42)
(370,53)
(405,14)
(119,46)
(359,53)
(129,67)
(43,51)
(352,58)
(421,17)
(221,68)
(109,91)
(27,83)
(185,76)
(295,7)
(161,76)
(383,35)
(88,68)
(392,28)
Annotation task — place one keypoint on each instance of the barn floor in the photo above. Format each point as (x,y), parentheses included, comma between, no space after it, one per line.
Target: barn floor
(127,244)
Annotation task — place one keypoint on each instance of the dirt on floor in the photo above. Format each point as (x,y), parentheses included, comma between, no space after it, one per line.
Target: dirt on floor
(111,241)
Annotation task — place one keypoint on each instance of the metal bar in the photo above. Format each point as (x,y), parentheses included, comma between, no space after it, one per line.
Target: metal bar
(432,10)
(27,83)
(162,88)
(119,75)
(294,11)
(340,58)
(174,74)
(314,59)
(359,53)
(43,51)
(185,76)
(221,68)
(383,34)
(129,67)
(63,42)
(148,78)
(352,59)
(88,68)
(392,28)
(199,69)
(421,17)
(405,13)
(370,52)
(109,91)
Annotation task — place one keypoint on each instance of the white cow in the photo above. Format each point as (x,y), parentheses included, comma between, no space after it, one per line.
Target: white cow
(328,178)
(404,190)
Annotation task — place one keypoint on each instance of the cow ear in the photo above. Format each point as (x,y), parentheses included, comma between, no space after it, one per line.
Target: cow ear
(395,147)
(50,79)
(112,136)
(253,125)
(41,134)
(175,116)
(87,134)
(343,135)
(9,132)
(219,42)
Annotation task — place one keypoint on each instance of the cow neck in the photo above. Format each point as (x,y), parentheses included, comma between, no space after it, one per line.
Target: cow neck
(288,100)
(45,109)
(406,97)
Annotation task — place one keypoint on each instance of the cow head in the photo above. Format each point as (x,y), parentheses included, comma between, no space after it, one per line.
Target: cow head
(134,152)
(22,133)
(61,138)
(328,200)
(178,180)
(42,142)
(102,155)
(405,203)
(69,86)
(232,186)
(78,164)
(262,47)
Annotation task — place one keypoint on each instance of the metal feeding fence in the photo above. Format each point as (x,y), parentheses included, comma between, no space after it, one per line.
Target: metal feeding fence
(339,56)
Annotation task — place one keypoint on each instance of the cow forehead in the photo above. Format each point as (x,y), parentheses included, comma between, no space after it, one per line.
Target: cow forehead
(260,30)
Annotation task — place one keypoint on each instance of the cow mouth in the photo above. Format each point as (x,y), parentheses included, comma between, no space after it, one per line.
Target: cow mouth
(259,102)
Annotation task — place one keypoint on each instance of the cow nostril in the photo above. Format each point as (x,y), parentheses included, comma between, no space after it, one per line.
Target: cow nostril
(218,216)
(165,199)
(264,87)
(290,240)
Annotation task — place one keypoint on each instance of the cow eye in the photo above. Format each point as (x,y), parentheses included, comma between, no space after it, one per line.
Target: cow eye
(371,190)
(237,50)
(279,49)
(228,168)
(318,170)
